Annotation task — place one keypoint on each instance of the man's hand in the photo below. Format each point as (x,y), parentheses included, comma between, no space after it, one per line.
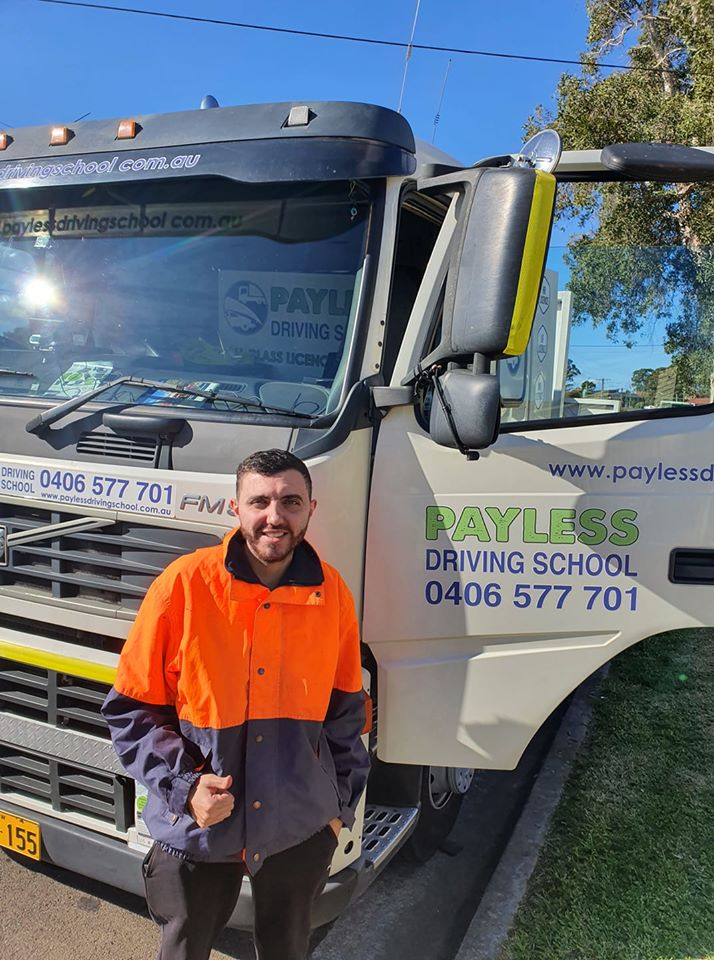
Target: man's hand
(336,825)
(209,801)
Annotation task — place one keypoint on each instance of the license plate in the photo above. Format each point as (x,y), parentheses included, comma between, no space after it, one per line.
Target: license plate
(20,835)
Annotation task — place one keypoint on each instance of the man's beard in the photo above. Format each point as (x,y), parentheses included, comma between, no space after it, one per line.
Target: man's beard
(273,551)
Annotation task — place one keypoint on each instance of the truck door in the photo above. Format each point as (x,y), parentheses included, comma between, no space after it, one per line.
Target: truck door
(495,586)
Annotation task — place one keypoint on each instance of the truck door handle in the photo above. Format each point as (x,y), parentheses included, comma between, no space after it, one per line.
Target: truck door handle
(691,566)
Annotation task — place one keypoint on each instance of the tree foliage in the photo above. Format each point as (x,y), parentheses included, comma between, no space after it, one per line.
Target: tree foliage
(643,252)
(572,373)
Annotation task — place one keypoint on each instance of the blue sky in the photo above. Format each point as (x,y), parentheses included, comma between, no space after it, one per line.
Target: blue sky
(61,62)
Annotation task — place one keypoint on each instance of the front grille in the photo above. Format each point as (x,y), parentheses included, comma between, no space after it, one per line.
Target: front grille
(58,699)
(95,443)
(67,787)
(112,566)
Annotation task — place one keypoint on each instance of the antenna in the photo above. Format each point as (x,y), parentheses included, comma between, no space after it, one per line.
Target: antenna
(437,115)
(407,56)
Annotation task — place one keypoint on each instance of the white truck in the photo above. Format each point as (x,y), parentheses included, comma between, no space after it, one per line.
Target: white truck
(177,291)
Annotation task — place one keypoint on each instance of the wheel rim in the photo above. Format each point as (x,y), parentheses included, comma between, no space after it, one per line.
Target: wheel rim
(444,782)
(460,779)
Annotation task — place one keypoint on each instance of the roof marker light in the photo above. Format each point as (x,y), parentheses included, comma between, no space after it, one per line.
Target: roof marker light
(59,136)
(127,129)
(298,117)
(5,140)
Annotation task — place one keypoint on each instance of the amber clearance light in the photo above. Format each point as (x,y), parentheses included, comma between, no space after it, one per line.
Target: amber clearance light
(5,140)
(127,129)
(59,136)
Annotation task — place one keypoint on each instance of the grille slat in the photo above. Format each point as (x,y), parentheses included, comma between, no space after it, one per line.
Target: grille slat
(26,785)
(80,718)
(27,764)
(83,802)
(111,567)
(23,699)
(91,784)
(22,677)
(95,443)
(96,583)
(133,542)
(74,692)
(68,556)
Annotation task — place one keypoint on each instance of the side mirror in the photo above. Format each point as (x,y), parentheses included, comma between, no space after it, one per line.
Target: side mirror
(504,215)
(496,264)
(465,411)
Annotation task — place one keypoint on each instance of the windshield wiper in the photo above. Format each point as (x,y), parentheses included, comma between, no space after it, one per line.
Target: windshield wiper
(59,410)
(17,373)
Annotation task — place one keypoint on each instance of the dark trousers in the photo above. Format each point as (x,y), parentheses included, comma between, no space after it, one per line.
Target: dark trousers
(192,902)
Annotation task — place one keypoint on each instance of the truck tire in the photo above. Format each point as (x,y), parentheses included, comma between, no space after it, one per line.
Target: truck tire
(442,793)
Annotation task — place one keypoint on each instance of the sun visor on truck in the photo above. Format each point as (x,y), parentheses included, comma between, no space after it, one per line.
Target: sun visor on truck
(263,161)
(254,143)
(496,263)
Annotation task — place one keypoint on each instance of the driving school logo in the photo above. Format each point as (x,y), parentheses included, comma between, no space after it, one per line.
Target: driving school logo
(245,307)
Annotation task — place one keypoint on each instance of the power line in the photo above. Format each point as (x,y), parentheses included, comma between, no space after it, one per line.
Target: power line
(352,39)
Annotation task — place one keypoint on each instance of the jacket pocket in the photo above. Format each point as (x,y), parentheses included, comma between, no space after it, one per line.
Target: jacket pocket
(168,816)
(327,764)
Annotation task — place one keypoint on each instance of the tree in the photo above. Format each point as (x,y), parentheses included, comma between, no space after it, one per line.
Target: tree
(571,373)
(643,251)
(644,383)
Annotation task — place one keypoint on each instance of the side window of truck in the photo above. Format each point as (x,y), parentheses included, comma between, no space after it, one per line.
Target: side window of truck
(419,223)
(624,325)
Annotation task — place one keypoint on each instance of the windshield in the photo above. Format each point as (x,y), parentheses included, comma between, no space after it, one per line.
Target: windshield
(249,290)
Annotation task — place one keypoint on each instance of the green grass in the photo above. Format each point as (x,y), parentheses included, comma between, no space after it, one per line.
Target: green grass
(627,870)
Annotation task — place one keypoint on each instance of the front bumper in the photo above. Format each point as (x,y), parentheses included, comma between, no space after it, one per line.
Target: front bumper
(112,862)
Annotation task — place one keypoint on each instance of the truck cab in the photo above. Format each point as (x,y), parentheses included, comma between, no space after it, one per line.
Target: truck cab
(180,290)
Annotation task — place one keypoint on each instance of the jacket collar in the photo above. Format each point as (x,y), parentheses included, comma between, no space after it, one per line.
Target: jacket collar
(305,569)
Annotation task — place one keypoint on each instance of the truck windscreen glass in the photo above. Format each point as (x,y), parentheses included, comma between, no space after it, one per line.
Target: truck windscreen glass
(249,290)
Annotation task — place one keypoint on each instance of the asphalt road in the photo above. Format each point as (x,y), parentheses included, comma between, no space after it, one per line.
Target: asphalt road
(420,911)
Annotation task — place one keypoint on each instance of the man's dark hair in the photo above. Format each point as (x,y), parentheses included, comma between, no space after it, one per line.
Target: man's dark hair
(268,463)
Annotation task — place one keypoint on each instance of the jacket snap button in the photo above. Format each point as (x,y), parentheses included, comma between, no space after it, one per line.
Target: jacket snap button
(257,804)
(259,738)
(266,606)
(261,670)
(256,857)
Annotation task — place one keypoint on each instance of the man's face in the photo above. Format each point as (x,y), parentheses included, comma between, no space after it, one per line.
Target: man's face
(274,513)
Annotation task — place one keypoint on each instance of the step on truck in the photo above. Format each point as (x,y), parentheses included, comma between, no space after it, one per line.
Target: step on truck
(180,290)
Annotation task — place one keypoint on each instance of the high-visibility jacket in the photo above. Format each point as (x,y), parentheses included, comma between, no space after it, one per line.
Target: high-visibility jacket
(221,675)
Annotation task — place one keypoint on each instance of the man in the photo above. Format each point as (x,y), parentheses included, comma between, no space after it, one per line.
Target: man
(238,703)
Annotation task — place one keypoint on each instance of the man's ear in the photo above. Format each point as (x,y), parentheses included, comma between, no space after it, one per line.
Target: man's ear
(313,505)
(234,506)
